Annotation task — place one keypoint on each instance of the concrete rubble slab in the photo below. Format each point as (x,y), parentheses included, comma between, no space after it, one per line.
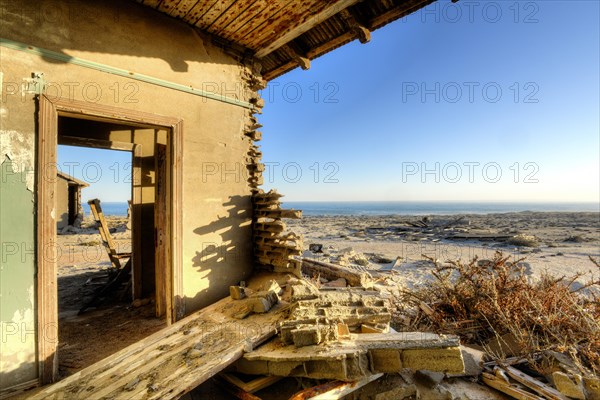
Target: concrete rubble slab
(361,356)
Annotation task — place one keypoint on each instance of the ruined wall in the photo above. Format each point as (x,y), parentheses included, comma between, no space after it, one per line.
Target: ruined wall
(62,202)
(217,208)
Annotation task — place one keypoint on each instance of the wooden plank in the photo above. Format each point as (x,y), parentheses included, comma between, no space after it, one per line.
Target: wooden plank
(402,10)
(136,222)
(507,388)
(94,143)
(255,8)
(194,16)
(259,20)
(11,391)
(295,30)
(161,234)
(166,6)
(183,8)
(176,143)
(332,44)
(333,390)
(47,303)
(107,241)
(254,385)
(173,361)
(534,384)
(221,9)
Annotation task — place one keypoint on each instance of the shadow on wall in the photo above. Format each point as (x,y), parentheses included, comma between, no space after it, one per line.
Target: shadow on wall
(108,27)
(228,262)
(21,372)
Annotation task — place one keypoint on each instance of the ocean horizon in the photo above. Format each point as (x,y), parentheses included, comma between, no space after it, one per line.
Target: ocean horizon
(374,208)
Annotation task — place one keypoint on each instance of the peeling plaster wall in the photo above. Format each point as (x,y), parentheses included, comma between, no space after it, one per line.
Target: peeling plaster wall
(216,196)
(17,317)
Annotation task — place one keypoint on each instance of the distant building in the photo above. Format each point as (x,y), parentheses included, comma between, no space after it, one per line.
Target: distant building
(68,201)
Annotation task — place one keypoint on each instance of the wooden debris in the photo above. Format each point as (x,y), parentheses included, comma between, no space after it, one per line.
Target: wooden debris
(333,390)
(505,387)
(252,386)
(541,388)
(332,271)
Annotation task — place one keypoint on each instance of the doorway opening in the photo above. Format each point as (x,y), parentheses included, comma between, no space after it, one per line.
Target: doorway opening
(114,273)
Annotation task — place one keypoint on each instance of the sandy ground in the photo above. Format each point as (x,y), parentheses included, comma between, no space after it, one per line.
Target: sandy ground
(112,324)
(562,242)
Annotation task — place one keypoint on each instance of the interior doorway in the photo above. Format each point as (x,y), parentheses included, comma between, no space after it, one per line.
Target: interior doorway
(95,323)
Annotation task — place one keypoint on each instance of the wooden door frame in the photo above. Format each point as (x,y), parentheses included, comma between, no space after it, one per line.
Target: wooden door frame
(46,255)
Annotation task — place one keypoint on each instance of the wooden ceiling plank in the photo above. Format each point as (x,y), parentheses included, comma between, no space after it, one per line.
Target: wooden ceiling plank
(166,6)
(294,31)
(234,12)
(194,16)
(151,3)
(269,13)
(295,12)
(183,8)
(398,12)
(254,9)
(220,8)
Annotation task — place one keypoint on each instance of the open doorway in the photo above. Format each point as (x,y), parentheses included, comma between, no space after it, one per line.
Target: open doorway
(99,303)
(97,312)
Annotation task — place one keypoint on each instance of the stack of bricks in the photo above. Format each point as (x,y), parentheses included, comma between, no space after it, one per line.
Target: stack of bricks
(254,82)
(273,248)
(333,315)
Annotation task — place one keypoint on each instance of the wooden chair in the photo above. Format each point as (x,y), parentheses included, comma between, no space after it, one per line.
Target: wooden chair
(121,273)
(109,245)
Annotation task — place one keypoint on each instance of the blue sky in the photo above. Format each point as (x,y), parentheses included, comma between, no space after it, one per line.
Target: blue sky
(477,101)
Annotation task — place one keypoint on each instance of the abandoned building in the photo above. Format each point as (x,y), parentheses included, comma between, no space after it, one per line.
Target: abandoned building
(68,200)
(176,84)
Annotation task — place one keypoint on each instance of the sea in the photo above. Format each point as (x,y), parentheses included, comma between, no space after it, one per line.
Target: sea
(319,208)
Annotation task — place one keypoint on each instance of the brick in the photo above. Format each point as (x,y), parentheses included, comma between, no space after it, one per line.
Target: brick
(385,360)
(447,360)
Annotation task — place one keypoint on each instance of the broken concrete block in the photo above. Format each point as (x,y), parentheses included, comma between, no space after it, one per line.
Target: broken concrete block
(429,379)
(447,360)
(385,360)
(237,292)
(473,360)
(361,356)
(570,387)
(306,336)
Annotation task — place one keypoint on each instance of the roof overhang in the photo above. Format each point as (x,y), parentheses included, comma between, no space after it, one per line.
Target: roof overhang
(286,34)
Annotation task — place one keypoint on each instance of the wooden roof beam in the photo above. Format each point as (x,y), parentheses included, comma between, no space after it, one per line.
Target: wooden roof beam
(400,11)
(294,31)
(299,58)
(362,32)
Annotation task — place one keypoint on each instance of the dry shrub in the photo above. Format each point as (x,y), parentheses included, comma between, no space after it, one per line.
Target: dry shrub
(491,298)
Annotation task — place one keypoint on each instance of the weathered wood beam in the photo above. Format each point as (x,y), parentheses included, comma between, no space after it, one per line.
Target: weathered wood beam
(362,32)
(294,31)
(300,59)
(398,12)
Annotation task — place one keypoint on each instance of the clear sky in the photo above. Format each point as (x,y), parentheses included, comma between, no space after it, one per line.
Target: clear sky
(477,101)
(513,86)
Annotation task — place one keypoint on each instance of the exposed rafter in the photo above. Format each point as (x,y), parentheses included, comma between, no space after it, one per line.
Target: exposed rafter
(294,31)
